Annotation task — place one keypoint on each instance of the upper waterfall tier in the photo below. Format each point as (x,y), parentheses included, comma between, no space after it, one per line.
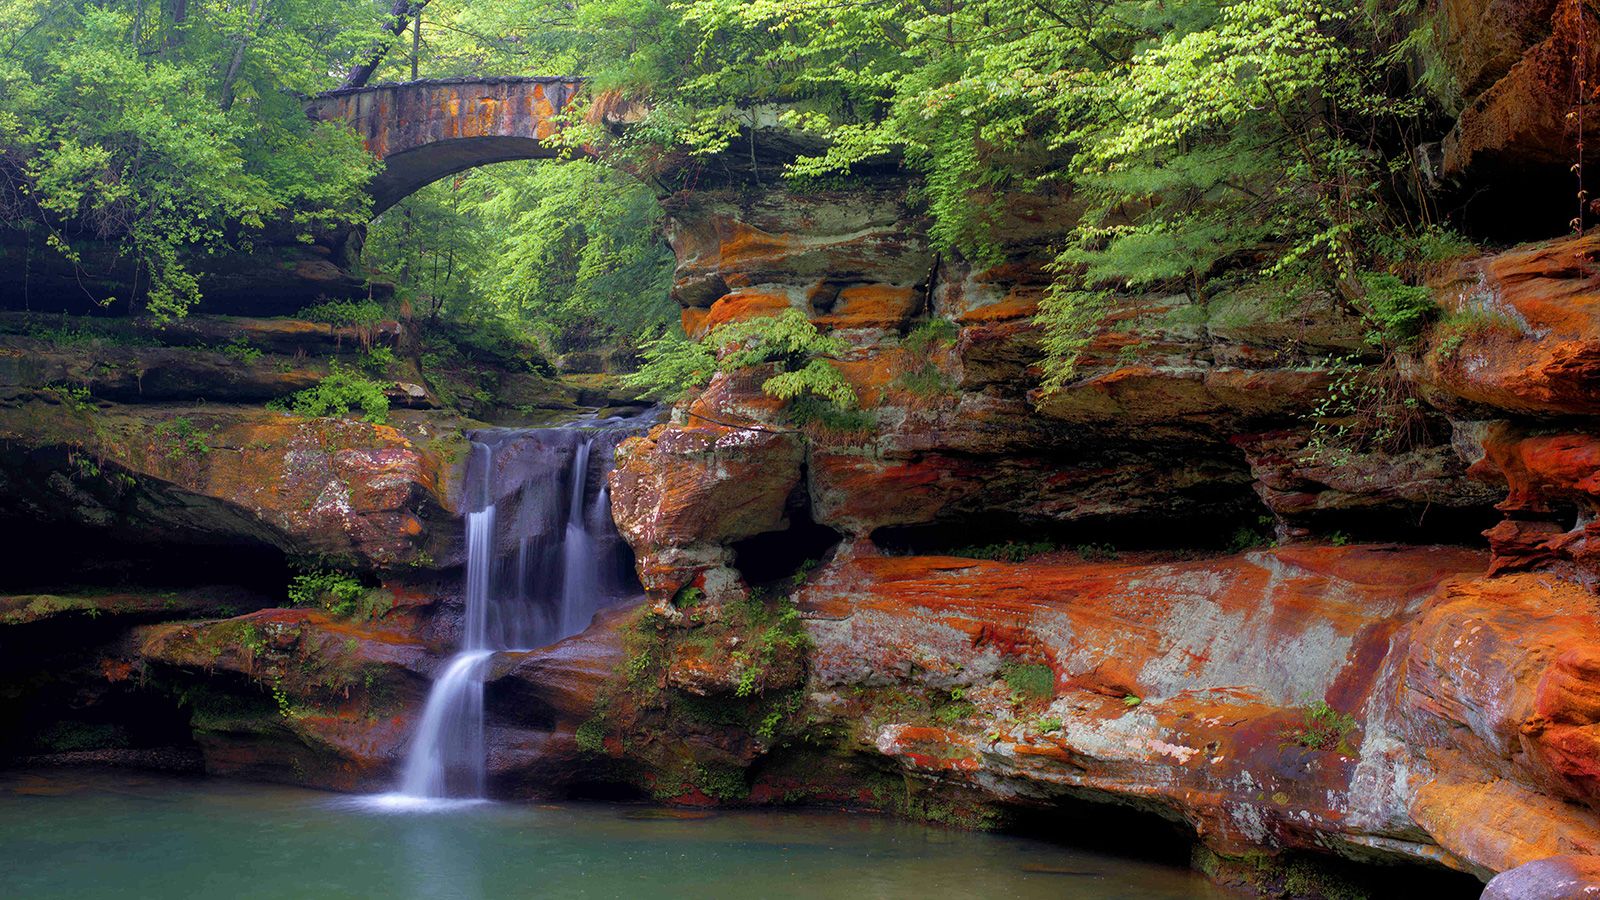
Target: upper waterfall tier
(549,557)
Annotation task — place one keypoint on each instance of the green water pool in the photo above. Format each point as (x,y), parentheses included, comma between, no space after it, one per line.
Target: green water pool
(92,835)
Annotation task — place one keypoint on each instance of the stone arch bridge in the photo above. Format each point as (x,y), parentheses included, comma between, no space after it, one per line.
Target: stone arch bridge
(427,130)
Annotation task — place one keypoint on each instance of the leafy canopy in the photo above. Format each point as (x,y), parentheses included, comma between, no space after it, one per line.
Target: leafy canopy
(168,129)
(787,342)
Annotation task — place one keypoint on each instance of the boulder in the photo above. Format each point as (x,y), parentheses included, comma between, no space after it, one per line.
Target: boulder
(1556,878)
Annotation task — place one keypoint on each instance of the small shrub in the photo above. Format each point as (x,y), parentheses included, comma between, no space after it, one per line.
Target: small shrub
(377,360)
(1132,700)
(1366,408)
(954,710)
(722,782)
(1434,245)
(1398,312)
(1323,728)
(74,397)
(1010,551)
(242,350)
(930,334)
(1247,538)
(65,737)
(926,381)
(252,640)
(1031,682)
(340,391)
(1095,552)
(182,438)
(817,411)
(590,736)
(1455,328)
(359,313)
(1049,725)
(337,592)
(803,572)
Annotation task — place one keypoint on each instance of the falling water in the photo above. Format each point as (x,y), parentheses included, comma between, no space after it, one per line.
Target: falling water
(542,558)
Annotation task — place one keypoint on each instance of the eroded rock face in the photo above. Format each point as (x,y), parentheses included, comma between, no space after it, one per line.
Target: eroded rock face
(1182,412)
(275,279)
(1182,686)
(213,475)
(685,492)
(1385,702)
(1513,61)
(1530,345)
(1498,694)
(313,699)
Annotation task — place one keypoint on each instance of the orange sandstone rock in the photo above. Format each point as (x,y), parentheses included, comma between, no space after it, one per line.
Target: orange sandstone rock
(1537,352)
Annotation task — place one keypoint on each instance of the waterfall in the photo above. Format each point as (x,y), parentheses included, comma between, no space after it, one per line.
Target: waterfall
(542,558)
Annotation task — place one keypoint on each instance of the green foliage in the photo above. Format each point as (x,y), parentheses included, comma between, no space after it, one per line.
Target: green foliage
(673,365)
(1096,552)
(569,251)
(818,412)
(1323,728)
(1132,700)
(1030,682)
(1455,328)
(926,380)
(82,331)
(339,392)
(953,710)
(935,332)
(69,736)
(124,124)
(337,592)
(789,342)
(281,699)
(1255,138)
(182,438)
(721,782)
(1009,551)
(344,313)
(242,350)
(1366,408)
(75,397)
(590,735)
(1247,538)
(377,360)
(1396,311)
(251,638)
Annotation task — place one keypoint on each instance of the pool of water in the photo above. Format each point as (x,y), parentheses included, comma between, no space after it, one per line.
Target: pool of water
(91,835)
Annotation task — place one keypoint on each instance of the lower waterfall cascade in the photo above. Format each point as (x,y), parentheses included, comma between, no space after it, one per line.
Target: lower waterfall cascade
(542,557)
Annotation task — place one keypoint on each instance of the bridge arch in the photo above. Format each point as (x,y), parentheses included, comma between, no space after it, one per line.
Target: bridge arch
(427,130)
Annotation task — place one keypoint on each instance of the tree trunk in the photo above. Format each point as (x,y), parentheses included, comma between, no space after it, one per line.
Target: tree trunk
(237,61)
(401,14)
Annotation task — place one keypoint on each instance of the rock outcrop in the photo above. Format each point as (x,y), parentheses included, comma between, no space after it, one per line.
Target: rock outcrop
(1418,702)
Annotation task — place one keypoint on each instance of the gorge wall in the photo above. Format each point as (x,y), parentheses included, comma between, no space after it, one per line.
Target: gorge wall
(1381,683)
(1128,651)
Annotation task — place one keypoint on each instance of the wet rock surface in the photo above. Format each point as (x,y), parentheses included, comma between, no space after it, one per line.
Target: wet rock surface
(1421,702)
